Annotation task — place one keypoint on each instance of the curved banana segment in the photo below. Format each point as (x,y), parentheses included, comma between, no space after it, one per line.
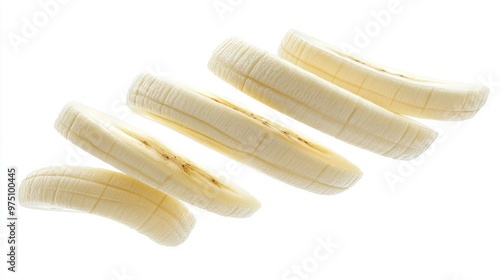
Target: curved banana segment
(318,103)
(112,195)
(145,158)
(418,97)
(240,134)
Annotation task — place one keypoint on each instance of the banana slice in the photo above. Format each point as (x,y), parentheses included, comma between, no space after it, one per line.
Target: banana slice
(240,134)
(112,195)
(146,159)
(418,97)
(324,106)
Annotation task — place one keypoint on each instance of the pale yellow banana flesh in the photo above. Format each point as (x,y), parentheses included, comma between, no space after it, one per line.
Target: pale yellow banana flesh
(143,157)
(318,103)
(240,134)
(423,98)
(112,195)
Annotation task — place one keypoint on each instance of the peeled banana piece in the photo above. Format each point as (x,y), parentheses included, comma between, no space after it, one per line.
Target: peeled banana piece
(145,158)
(318,103)
(403,94)
(238,133)
(112,195)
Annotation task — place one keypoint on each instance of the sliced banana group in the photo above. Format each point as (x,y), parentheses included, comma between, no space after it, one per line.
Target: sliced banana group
(145,158)
(350,100)
(418,97)
(313,101)
(112,195)
(243,135)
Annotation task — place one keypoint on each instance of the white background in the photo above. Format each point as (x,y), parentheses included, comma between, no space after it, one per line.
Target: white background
(441,220)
